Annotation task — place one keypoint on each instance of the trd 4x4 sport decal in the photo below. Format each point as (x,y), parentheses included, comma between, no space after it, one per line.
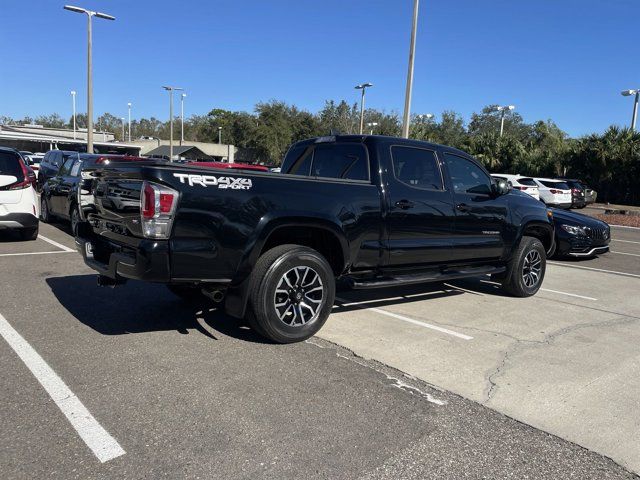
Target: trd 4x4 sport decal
(213,181)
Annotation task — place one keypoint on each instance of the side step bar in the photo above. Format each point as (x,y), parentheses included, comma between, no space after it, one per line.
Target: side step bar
(390,281)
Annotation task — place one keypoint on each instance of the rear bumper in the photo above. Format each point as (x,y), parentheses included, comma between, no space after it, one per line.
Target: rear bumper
(18,220)
(149,261)
(559,205)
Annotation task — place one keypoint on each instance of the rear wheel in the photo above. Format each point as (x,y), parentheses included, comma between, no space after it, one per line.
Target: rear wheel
(45,214)
(74,215)
(292,293)
(29,233)
(526,270)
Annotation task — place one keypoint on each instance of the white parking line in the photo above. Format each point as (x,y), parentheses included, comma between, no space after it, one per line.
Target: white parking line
(624,241)
(624,253)
(594,269)
(56,244)
(33,253)
(624,226)
(414,322)
(103,445)
(569,294)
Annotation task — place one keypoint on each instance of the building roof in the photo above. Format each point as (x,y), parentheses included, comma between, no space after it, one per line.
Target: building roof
(163,150)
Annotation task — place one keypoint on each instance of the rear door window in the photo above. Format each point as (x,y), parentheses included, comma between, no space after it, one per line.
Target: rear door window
(298,160)
(416,167)
(66,167)
(347,160)
(10,165)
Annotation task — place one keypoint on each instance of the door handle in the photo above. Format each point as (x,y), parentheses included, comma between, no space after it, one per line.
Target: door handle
(463,207)
(404,204)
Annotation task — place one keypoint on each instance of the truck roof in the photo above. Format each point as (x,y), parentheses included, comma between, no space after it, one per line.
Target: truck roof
(373,139)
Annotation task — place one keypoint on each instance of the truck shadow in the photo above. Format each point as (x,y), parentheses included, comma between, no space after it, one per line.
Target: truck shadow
(138,307)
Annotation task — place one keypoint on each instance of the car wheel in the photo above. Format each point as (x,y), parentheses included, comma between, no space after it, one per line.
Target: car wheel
(45,213)
(526,270)
(292,293)
(75,220)
(29,233)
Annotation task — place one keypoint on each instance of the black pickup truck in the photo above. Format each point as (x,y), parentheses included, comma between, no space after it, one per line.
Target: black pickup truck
(371,211)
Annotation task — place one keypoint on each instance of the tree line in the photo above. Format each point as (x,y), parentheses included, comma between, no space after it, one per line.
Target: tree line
(608,162)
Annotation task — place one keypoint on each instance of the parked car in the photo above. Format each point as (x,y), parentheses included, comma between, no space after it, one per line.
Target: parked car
(554,193)
(51,163)
(578,195)
(590,194)
(62,193)
(578,235)
(18,201)
(33,160)
(374,211)
(518,182)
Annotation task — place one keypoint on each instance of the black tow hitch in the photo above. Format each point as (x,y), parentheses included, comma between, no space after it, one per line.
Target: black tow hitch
(104,281)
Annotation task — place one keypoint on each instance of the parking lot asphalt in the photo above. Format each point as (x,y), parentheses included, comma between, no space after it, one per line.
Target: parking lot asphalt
(387,390)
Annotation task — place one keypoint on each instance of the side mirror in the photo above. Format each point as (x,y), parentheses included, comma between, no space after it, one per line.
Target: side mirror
(500,187)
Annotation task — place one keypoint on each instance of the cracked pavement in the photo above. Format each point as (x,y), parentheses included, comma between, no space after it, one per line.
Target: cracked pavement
(565,361)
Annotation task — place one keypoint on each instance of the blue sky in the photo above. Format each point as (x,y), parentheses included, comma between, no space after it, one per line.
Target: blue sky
(562,59)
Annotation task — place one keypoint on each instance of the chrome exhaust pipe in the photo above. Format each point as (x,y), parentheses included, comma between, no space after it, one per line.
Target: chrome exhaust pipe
(216,295)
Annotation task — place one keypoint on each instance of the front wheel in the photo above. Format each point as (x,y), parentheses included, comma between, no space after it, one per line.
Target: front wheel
(526,270)
(292,293)
(45,214)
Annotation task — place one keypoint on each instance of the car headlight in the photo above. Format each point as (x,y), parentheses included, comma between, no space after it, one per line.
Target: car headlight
(573,230)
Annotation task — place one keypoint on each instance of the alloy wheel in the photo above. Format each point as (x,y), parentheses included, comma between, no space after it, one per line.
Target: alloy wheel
(299,296)
(531,269)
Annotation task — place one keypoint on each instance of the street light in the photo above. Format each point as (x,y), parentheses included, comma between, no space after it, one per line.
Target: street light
(90,14)
(219,135)
(412,54)
(628,93)
(170,90)
(503,110)
(182,118)
(129,135)
(422,116)
(371,125)
(73,101)
(363,87)
(122,118)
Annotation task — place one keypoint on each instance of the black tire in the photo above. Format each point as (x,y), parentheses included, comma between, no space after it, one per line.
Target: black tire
(45,213)
(307,301)
(74,217)
(188,293)
(29,233)
(529,262)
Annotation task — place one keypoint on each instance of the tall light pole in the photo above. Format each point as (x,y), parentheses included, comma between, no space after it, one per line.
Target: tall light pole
(370,125)
(90,14)
(363,87)
(73,101)
(219,135)
(182,118)
(503,110)
(170,90)
(122,118)
(628,93)
(129,107)
(412,54)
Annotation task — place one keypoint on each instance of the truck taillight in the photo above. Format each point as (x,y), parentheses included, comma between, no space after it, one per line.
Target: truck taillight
(157,209)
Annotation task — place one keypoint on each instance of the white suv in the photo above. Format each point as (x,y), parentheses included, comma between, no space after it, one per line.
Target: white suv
(18,201)
(554,193)
(518,182)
